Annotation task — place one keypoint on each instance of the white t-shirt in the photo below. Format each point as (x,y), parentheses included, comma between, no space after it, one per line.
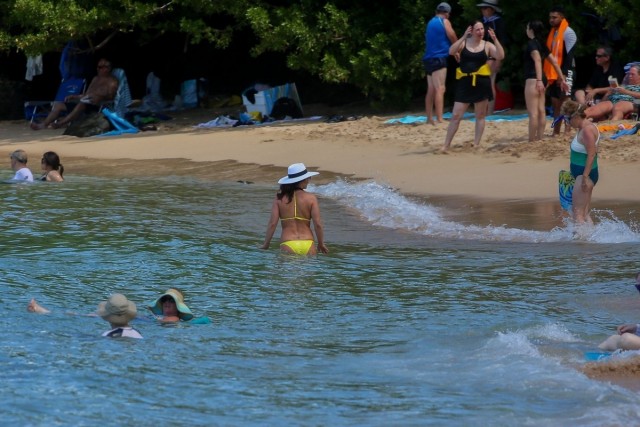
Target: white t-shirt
(125,332)
(23,174)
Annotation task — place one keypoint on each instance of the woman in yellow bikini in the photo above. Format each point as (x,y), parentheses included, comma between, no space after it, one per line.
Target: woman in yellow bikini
(296,209)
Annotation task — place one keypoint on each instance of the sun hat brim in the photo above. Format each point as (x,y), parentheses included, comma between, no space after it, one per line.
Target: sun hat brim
(288,180)
(129,313)
(185,312)
(492,6)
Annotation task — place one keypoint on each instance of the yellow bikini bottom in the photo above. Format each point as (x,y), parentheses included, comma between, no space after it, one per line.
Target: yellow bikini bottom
(299,247)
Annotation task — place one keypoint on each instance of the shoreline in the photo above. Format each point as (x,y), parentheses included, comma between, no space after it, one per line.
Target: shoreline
(405,157)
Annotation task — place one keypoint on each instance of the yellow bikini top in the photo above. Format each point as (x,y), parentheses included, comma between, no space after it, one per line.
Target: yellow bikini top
(295,212)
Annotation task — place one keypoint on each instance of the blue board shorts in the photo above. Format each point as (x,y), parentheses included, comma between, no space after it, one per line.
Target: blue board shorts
(434,64)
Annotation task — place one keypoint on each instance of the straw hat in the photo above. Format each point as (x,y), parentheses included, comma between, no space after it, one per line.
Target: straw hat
(493,4)
(117,310)
(297,172)
(183,311)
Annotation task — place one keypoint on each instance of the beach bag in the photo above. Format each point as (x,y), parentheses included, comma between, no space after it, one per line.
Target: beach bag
(285,107)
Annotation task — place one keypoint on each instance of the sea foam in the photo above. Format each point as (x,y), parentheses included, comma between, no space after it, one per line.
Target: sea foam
(384,206)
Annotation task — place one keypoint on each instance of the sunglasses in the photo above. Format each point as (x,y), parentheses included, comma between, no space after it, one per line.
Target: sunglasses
(600,56)
(103,66)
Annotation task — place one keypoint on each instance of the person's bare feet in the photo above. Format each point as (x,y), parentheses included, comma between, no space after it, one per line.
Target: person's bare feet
(34,307)
(37,126)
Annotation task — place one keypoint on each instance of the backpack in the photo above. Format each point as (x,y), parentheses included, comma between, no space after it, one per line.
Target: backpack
(284,107)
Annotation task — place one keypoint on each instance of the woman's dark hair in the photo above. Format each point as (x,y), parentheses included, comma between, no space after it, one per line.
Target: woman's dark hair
(538,31)
(288,190)
(167,298)
(51,159)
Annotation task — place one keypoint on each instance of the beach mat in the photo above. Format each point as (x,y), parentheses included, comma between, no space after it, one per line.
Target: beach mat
(465,116)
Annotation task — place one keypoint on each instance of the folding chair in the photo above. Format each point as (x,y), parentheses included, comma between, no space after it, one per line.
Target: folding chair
(69,86)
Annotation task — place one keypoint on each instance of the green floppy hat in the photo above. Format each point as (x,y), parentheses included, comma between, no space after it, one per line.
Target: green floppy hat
(184,311)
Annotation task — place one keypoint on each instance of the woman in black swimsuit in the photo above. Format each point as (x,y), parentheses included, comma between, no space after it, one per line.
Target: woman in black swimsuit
(52,167)
(473,78)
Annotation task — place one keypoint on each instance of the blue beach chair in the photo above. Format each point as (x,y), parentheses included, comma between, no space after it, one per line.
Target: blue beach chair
(40,109)
(73,63)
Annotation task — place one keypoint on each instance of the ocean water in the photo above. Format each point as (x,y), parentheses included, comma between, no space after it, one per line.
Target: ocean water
(426,311)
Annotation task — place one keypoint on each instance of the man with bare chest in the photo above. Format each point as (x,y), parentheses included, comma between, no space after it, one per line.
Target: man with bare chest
(102,88)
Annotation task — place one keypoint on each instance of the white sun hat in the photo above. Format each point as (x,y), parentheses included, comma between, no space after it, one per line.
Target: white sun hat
(297,172)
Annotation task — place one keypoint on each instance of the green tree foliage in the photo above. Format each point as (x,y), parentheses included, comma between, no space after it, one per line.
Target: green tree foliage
(594,21)
(619,15)
(38,26)
(374,45)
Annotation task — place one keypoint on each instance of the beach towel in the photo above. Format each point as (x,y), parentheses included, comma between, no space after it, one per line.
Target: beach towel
(565,189)
(123,95)
(555,43)
(623,132)
(500,118)
(34,67)
(469,116)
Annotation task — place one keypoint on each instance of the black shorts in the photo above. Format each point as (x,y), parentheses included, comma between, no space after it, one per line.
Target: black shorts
(555,92)
(434,64)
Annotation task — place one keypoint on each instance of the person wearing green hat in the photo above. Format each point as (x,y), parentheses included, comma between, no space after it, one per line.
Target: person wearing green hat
(170,307)
(167,308)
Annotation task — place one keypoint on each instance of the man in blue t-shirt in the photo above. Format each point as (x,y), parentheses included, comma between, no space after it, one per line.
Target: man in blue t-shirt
(439,36)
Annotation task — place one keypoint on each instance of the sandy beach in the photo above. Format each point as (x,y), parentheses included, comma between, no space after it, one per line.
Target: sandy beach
(406,157)
(403,156)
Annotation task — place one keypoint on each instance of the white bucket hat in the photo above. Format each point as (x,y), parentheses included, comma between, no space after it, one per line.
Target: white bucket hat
(297,172)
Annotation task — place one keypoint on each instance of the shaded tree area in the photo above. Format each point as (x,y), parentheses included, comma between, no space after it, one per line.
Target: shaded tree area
(596,22)
(333,50)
